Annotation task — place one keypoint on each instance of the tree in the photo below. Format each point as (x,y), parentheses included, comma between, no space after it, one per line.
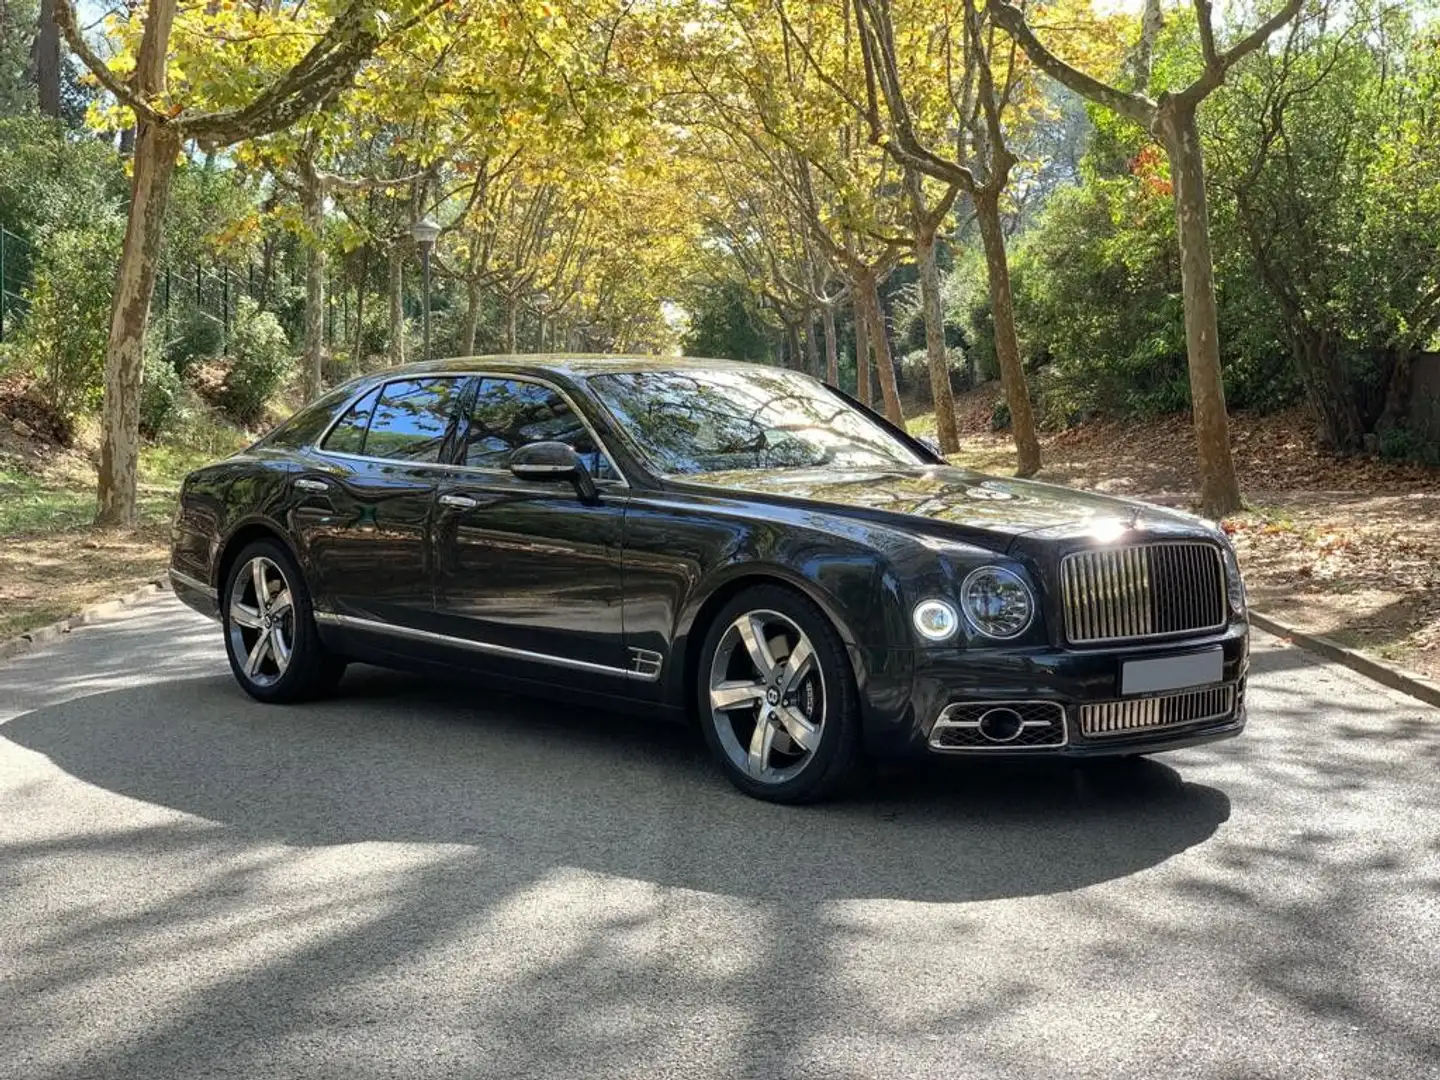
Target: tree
(268,103)
(47,60)
(1172,121)
(980,164)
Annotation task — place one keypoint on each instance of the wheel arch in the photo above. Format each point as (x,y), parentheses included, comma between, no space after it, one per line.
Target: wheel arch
(238,540)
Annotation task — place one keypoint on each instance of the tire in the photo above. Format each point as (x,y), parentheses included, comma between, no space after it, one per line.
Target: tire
(294,664)
(757,717)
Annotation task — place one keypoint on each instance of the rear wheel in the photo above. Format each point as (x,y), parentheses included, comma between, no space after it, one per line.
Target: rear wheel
(777,698)
(274,648)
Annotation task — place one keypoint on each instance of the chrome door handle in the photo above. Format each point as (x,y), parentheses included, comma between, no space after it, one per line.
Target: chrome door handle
(312,485)
(460,502)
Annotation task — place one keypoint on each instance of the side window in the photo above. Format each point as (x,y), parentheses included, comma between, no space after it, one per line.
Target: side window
(348,435)
(412,419)
(508,414)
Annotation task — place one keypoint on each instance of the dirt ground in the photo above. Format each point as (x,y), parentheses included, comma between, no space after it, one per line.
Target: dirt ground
(1346,547)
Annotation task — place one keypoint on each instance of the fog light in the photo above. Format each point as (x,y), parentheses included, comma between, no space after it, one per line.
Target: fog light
(935,620)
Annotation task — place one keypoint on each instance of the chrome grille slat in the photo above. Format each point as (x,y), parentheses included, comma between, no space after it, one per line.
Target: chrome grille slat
(1146,714)
(1143,590)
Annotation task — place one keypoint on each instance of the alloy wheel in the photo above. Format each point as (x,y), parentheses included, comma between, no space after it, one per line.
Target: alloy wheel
(767,696)
(262,621)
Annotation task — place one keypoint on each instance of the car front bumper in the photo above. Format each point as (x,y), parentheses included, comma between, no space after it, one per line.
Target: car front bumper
(928,702)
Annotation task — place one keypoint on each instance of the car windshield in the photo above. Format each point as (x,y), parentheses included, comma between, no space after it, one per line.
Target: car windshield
(687,421)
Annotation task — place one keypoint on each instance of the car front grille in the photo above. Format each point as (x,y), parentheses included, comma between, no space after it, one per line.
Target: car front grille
(1147,714)
(959,727)
(1144,591)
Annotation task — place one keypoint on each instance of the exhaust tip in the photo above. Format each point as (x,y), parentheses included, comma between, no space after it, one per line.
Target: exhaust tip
(1001,725)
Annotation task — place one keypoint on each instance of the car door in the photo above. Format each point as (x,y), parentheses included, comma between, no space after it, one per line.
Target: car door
(367,497)
(526,571)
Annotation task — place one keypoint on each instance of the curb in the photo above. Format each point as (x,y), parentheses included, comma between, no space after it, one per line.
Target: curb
(1407,682)
(44,635)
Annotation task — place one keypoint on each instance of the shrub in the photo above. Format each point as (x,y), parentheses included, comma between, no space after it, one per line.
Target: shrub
(62,340)
(260,362)
(161,397)
(199,337)
(1401,443)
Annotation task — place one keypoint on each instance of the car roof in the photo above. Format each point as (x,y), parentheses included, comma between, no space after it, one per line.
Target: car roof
(574,365)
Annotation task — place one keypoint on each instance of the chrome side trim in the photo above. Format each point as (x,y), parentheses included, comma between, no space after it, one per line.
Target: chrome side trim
(194,584)
(318,446)
(377,627)
(944,721)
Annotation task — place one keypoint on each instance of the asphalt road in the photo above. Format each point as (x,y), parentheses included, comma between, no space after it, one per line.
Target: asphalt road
(429,880)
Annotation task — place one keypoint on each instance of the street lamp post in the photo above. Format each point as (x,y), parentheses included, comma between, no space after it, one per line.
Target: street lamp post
(425,231)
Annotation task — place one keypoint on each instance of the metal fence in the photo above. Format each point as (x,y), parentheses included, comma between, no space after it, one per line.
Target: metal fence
(14,275)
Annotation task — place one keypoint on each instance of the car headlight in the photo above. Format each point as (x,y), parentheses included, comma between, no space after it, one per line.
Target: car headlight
(997,602)
(1234,583)
(935,620)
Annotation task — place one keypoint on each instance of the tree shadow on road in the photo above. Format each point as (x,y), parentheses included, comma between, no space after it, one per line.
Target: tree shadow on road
(396,758)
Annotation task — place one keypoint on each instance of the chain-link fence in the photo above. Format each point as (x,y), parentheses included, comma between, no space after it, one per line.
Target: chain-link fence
(14,275)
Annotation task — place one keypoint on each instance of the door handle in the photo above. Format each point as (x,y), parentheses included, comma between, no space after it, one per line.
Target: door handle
(312,485)
(459,502)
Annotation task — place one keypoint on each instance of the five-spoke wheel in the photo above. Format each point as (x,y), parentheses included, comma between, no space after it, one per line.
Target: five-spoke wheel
(777,696)
(270,636)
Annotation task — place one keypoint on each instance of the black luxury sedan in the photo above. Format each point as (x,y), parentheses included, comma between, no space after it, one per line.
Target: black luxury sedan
(740,544)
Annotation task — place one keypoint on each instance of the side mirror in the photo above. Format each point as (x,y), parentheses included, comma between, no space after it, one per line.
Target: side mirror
(550,461)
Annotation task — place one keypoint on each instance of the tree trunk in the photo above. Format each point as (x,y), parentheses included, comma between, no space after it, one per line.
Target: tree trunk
(1007,346)
(1219,487)
(156,147)
(397,305)
(862,348)
(471,326)
(935,352)
(792,347)
(357,354)
(884,361)
(313,206)
(1398,391)
(812,346)
(155,152)
(512,324)
(832,354)
(47,60)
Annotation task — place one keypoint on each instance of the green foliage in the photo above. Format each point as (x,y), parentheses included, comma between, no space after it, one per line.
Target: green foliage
(260,363)
(200,336)
(1401,443)
(162,395)
(726,323)
(62,339)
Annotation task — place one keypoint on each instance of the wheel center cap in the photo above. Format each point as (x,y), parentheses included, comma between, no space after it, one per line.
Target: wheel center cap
(772,696)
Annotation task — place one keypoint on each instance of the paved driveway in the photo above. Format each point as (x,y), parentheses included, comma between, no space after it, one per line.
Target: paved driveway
(425,880)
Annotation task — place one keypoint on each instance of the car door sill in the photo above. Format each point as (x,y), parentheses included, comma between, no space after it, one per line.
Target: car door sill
(351,622)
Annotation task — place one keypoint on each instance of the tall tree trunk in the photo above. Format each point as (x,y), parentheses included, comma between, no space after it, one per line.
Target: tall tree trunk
(1398,391)
(156,148)
(935,351)
(792,346)
(884,360)
(471,325)
(47,60)
(1219,487)
(832,353)
(512,324)
(397,305)
(1007,346)
(862,347)
(357,354)
(312,201)
(812,346)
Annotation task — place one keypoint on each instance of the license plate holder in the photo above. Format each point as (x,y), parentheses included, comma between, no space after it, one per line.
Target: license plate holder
(1172,672)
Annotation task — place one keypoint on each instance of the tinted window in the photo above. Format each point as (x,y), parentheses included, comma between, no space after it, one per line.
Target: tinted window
(306,426)
(412,419)
(508,414)
(714,420)
(348,435)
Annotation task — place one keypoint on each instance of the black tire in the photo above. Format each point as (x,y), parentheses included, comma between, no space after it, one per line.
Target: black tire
(833,762)
(311,670)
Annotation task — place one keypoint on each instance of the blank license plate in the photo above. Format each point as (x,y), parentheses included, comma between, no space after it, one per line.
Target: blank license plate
(1172,672)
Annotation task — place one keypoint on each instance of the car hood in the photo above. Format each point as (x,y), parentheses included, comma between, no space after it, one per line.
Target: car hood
(968,502)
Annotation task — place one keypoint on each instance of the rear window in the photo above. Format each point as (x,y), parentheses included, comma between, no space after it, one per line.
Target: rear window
(307,425)
(414,419)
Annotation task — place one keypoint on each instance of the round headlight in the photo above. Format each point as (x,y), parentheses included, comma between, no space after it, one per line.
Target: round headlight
(935,620)
(997,602)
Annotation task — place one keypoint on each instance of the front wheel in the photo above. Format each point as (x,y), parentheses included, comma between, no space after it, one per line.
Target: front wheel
(270,637)
(777,698)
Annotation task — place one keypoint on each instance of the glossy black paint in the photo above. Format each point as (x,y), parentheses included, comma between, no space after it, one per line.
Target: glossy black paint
(538,584)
